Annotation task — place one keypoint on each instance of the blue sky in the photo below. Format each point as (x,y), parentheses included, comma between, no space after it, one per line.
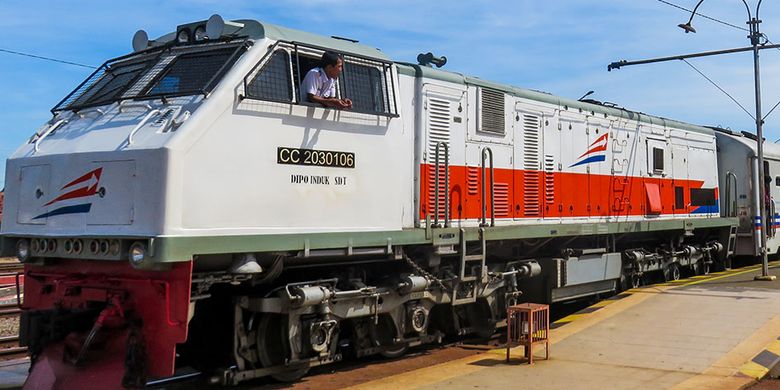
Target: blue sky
(558,46)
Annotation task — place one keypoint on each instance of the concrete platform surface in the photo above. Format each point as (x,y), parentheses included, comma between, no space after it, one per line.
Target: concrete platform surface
(719,331)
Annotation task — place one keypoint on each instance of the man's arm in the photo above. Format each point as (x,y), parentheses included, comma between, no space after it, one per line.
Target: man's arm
(340,104)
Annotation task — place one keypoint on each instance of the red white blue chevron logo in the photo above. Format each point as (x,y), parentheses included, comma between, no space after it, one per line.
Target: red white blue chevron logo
(596,152)
(84,186)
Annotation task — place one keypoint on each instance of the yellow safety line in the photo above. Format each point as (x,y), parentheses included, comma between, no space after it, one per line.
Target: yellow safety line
(720,277)
(571,318)
(753,370)
(604,303)
(739,360)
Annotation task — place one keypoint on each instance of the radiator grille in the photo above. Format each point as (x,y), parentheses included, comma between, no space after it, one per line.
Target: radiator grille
(549,179)
(501,199)
(438,131)
(492,115)
(531,126)
(472,179)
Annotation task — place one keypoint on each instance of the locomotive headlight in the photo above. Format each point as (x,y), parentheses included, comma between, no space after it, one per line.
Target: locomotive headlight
(137,253)
(23,250)
(183,36)
(200,34)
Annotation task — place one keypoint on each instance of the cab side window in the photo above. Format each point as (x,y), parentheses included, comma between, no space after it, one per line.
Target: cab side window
(366,82)
(363,84)
(273,81)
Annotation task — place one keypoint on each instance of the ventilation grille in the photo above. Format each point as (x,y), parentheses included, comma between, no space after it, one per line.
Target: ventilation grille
(438,131)
(472,180)
(492,116)
(549,179)
(501,199)
(531,126)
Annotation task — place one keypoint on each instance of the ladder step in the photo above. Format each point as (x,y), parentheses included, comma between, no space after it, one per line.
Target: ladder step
(472,258)
(446,250)
(468,279)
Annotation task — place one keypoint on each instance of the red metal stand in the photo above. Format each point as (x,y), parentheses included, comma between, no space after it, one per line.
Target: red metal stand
(528,324)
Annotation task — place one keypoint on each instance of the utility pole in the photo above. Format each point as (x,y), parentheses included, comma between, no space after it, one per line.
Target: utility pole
(755,46)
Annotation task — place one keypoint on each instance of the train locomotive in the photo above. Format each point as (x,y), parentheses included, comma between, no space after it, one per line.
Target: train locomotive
(184,207)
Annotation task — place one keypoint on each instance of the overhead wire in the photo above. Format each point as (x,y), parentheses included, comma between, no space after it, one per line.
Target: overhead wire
(718,87)
(708,79)
(704,16)
(47,58)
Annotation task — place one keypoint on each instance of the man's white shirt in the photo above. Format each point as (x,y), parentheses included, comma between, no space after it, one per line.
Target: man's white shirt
(317,83)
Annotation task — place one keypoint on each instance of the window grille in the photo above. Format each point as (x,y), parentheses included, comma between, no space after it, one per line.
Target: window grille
(492,115)
(273,81)
(190,73)
(366,81)
(107,83)
(363,85)
(164,71)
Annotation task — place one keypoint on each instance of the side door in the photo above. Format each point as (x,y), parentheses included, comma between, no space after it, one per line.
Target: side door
(658,169)
(680,178)
(528,154)
(773,186)
(444,117)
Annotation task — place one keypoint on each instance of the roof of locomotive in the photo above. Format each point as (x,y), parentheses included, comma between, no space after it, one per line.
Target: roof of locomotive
(255,29)
(458,78)
(748,141)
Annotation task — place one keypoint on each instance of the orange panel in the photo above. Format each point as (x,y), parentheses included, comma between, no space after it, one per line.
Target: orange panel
(653,198)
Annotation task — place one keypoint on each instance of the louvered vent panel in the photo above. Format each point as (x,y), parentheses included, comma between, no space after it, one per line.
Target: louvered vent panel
(472,179)
(501,200)
(492,116)
(549,179)
(438,131)
(531,126)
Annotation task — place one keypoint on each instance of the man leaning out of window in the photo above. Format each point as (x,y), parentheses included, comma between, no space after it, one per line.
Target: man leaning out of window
(319,85)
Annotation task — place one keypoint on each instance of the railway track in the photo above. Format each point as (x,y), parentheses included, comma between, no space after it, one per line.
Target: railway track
(10,349)
(11,267)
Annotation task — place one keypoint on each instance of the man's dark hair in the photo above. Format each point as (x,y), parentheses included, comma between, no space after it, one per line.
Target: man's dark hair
(329,58)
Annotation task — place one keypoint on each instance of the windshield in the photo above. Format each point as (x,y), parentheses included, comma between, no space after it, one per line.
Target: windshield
(163,72)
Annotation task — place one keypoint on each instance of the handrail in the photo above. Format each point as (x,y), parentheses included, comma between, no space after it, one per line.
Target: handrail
(731,206)
(48,131)
(485,152)
(86,111)
(129,104)
(446,185)
(771,220)
(140,124)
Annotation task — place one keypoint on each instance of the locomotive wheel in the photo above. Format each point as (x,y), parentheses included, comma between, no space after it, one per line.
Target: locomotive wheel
(674,272)
(636,281)
(273,348)
(704,268)
(395,353)
(383,333)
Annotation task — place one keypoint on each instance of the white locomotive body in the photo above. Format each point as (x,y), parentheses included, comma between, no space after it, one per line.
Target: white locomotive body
(193,165)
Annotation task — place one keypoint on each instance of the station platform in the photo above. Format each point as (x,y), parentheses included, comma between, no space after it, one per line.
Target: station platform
(716,331)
